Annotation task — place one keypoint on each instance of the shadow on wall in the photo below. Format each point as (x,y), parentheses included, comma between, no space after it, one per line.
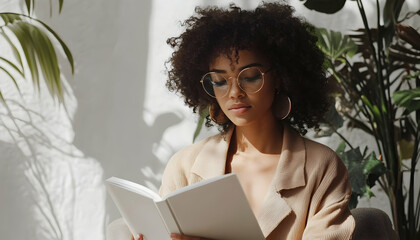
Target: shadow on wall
(16,202)
(50,189)
(109,40)
(46,191)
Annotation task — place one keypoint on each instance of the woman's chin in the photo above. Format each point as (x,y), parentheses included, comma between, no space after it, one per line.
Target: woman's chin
(241,122)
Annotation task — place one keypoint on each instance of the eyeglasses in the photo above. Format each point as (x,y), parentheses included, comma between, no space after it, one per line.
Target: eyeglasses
(250,80)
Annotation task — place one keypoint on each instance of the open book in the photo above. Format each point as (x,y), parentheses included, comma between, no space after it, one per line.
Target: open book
(215,208)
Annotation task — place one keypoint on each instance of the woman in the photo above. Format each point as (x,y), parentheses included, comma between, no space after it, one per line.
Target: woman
(260,75)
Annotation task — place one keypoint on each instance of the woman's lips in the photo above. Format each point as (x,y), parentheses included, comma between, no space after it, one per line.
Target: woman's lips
(239,108)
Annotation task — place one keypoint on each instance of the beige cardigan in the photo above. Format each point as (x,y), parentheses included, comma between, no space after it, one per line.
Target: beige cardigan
(308,197)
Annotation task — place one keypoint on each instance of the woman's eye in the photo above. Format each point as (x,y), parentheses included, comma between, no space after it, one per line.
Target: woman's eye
(220,83)
(252,79)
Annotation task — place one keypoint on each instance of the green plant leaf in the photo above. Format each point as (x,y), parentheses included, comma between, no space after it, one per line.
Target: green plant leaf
(12,17)
(62,44)
(332,120)
(391,11)
(363,171)
(325,6)
(38,50)
(341,148)
(15,51)
(60,2)
(413,75)
(2,98)
(200,123)
(374,110)
(11,76)
(13,66)
(356,123)
(334,44)
(373,169)
(9,18)
(47,59)
(409,99)
(22,33)
(28,6)
(406,148)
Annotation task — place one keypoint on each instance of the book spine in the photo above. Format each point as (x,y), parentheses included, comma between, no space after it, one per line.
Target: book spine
(168,217)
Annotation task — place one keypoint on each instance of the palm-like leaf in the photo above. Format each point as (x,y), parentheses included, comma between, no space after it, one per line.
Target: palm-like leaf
(36,41)
(37,52)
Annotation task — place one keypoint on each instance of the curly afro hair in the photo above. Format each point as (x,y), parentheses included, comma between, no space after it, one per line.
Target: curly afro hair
(288,42)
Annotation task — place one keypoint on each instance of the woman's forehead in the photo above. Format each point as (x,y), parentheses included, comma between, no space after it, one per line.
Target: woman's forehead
(236,59)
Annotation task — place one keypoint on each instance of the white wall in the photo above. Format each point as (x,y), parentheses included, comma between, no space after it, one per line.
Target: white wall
(119,121)
(49,188)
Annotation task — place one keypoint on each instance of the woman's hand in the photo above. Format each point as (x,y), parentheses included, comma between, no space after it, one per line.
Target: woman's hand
(176,236)
(139,237)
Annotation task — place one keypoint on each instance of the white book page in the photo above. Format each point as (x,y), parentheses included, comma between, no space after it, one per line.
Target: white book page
(197,185)
(138,208)
(216,209)
(134,187)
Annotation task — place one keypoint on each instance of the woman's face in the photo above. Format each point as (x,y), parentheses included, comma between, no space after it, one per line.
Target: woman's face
(244,108)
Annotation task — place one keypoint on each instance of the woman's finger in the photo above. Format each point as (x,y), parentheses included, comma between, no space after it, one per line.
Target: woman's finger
(138,237)
(175,236)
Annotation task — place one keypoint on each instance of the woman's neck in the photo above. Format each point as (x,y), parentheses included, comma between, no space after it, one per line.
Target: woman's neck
(265,138)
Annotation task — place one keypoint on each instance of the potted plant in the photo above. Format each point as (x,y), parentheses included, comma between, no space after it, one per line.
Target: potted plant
(376,78)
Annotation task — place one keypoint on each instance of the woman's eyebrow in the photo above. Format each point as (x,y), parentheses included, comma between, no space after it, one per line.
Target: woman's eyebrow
(251,65)
(241,68)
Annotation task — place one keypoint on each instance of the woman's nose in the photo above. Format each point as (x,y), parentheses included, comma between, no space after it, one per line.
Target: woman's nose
(235,91)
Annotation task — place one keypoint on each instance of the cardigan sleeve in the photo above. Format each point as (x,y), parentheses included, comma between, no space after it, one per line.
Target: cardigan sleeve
(174,176)
(329,216)
(178,173)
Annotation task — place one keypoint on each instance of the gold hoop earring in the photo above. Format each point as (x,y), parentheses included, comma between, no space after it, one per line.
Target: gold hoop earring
(217,115)
(282,106)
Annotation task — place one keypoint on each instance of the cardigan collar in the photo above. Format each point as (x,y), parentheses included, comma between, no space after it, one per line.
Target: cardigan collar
(211,162)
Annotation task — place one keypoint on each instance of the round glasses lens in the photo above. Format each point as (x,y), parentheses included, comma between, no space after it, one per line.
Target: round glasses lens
(251,80)
(215,84)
